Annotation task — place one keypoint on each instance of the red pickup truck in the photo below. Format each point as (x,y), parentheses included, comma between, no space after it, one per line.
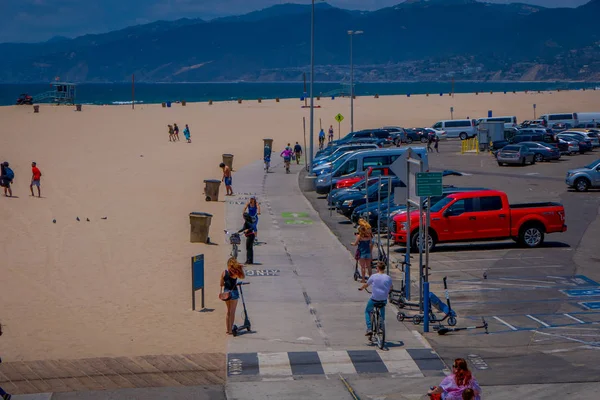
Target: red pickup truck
(484,215)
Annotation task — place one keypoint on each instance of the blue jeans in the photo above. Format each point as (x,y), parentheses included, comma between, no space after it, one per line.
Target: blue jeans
(369,308)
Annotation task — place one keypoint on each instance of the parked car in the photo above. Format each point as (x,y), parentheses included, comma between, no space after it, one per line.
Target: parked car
(515,154)
(542,152)
(326,167)
(398,134)
(415,135)
(364,134)
(568,146)
(584,143)
(591,134)
(346,204)
(592,125)
(532,123)
(582,179)
(360,185)
(541,137)
(561,126)
(331,153)
(509,122)
(24,99)
(374,172)
(457,128)
(483,216)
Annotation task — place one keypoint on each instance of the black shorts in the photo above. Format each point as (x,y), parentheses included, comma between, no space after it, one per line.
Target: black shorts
(4,183)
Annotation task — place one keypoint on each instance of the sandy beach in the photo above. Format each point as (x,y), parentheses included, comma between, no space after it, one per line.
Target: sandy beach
(120,286)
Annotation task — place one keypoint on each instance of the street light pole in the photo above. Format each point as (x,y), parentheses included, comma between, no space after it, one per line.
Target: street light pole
(351,34)
(312,80)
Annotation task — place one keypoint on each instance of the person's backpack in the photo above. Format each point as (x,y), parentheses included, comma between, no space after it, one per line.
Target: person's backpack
(9,173)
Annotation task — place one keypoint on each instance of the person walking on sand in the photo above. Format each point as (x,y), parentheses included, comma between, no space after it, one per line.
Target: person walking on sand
(364,241)
(176,132)
(6,178)
(330,133)
(36,175)
(229,290)
(453,386)
(186,133)
(171,133)
(297,152)
(227,179)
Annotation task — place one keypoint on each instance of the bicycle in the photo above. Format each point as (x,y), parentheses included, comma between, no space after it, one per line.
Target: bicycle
(234,240)
(287,165)
(377,323)
(267,164)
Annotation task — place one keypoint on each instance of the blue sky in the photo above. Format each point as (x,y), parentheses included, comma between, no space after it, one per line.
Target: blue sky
(39,20)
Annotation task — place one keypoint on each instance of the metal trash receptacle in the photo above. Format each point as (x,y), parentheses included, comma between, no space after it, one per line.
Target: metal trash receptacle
(228,160)
(199,227)
(211,189)
(78,107)
(168,104)
(36,109)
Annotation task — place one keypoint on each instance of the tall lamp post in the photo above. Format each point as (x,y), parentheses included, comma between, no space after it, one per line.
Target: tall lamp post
(351,34)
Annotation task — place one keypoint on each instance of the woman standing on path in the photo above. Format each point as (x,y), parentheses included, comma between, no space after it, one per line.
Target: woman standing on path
(229,289)
(253,209)
(453,386)
(364,241)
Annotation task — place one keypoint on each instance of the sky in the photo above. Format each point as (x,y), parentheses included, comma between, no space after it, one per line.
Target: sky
(40,20)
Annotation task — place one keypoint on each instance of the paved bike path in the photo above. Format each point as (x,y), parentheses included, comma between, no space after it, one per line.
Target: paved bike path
(302,301)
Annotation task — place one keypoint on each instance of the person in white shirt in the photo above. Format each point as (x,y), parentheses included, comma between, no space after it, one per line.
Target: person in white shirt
(381,286)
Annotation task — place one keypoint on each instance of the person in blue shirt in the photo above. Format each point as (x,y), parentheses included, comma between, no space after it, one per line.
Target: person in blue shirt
(321,138)
(381,286)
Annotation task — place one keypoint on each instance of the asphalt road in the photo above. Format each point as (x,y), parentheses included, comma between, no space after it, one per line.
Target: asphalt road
(539,303)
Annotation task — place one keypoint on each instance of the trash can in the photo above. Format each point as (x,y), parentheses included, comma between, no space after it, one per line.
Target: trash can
(164,105)
(268,142)
(36,109)
(183,103)
(78,107)
(168,104)
(228,160)
(199,227)
(211,189)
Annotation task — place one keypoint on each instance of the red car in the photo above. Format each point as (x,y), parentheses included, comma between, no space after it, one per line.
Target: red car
(483,216)
(348,182)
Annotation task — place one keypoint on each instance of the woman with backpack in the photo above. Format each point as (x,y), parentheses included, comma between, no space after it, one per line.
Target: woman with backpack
(6,178)
(229,291)
(453,386)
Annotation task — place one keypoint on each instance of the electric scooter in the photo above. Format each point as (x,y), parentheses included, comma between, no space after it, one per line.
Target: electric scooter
(236,329)
(449,313)
(442,330)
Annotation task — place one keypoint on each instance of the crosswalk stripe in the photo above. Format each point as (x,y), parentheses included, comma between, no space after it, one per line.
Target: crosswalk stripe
(538,320)
(336,362)
(274,364)
(400,362)
(367,361)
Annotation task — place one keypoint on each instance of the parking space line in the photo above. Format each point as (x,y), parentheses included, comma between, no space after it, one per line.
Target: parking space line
(574,319)
(490,259)
(493,269)
(505,323)
(537,320)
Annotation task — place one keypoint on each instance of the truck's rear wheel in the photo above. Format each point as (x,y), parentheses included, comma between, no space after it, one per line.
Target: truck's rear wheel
(531,235)
(463,136)
(416,242)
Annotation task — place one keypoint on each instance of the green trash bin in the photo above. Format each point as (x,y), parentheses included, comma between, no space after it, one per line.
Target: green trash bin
(228,160)
(211,189)
(199,227)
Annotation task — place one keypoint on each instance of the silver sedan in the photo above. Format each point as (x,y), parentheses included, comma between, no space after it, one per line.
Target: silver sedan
(515,154)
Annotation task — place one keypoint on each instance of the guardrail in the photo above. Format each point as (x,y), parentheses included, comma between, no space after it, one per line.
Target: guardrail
(470,146)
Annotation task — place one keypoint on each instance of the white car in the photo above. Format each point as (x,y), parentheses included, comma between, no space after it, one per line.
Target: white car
(442,135)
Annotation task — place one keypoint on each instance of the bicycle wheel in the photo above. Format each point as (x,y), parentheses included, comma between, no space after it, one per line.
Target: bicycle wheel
(373,325)
(234,251)
(380,332)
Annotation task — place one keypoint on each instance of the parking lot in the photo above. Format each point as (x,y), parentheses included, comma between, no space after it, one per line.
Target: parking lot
(542,305)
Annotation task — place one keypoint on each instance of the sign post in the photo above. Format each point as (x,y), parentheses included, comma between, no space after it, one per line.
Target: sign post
(428,184)
(451,112)
(339,118)
(197,278)
(534,112)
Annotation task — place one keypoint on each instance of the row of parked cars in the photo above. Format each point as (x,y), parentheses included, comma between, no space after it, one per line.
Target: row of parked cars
(360,185)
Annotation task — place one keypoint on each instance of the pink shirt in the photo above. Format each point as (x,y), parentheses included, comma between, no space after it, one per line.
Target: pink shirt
(454,392)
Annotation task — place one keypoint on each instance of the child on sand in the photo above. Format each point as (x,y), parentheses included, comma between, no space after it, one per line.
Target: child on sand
(36,175)
(186,133)
(227,179)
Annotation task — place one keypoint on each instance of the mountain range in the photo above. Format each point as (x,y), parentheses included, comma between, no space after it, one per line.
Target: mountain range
(415,40)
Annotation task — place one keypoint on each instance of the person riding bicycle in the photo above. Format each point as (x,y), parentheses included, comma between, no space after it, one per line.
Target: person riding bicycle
(321,138)
(381,286)
(287,157)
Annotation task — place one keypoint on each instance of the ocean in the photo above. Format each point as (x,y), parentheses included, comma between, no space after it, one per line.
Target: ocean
(147,93)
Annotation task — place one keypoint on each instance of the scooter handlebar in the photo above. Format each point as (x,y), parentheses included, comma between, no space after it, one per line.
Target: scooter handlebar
(243,283)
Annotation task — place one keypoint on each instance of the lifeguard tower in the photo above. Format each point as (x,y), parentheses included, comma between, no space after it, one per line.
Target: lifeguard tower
(61,93)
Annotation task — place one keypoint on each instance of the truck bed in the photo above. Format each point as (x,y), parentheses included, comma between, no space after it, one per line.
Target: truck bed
(532,205)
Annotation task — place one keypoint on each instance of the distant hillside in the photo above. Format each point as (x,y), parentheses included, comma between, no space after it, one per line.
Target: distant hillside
(415,40)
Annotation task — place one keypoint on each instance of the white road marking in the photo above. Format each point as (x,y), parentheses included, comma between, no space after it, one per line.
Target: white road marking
(492,269)
(538,320)
(574,319)
(509,284)
(421,339)
(526,280)
(400,362)
(490,259)
(505,323)
(591,344)
(274,364)
(334,362)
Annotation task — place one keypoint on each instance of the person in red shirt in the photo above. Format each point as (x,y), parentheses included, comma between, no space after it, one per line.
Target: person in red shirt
(35,178)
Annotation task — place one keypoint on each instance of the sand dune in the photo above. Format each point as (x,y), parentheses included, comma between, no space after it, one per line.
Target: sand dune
(120,286)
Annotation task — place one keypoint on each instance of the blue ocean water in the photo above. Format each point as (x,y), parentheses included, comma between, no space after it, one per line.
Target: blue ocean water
(120,93)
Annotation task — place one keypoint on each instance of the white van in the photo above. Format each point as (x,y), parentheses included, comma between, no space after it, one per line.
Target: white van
(457,128)
(562,118)
(588,117)
(509,122)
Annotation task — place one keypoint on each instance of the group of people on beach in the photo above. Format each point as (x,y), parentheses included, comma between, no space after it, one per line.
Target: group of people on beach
(7,177)
(174,133)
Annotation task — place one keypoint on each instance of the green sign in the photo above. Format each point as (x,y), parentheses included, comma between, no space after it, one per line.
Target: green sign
(298,222)
(429,184)
(339,118)
(294,215)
